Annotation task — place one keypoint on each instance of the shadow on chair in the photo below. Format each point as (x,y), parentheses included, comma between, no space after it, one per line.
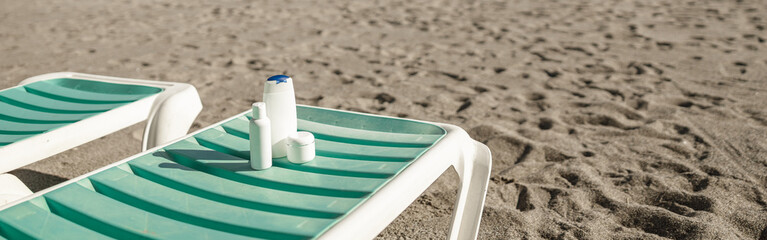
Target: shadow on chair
(37,181)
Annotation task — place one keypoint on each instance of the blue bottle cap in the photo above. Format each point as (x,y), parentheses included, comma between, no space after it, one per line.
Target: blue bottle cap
(278,79)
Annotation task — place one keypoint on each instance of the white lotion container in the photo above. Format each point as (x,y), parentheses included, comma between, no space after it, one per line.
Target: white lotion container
(300,147)
(260,138)
(281,108)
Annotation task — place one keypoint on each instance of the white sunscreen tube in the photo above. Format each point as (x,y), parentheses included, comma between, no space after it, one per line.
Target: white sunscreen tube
(281,109)
(260,138)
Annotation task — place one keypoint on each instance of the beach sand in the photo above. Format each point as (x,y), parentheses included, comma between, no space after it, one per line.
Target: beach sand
(606,119)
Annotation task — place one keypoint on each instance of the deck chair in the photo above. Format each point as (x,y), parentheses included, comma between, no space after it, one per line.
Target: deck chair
(368,169)
(51,113)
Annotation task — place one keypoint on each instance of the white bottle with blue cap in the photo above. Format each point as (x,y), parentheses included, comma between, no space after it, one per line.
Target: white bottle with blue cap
(281,108)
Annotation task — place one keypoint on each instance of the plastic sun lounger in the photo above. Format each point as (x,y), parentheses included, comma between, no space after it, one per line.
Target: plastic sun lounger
(368,169)
(50,113)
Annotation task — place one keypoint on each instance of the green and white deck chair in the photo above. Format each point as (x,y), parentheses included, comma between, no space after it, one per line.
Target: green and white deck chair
(368,169)
(50,113)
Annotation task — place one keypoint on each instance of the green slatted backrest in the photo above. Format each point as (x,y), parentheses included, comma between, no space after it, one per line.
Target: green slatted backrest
(203,188)
(43,106)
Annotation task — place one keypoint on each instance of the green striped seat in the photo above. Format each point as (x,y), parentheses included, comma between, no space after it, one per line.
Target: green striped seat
(202,187)
(43,106)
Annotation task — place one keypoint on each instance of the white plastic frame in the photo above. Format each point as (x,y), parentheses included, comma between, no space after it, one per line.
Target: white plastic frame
(471,159)
(170,113)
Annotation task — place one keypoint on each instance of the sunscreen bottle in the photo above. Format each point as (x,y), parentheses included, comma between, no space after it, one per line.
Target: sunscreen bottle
(260,138)
(281,108)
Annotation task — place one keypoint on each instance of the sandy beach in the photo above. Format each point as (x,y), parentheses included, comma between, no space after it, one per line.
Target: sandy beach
(607,119)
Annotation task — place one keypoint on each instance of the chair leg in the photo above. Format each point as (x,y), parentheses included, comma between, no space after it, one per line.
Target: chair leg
(474,172)
(171,117)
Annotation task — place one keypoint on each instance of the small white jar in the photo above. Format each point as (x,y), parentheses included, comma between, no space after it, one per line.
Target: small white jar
(300,146)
